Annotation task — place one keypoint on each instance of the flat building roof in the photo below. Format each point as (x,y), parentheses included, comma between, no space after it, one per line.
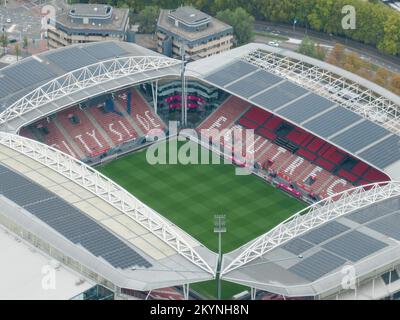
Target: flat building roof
(189,15)
(99,20)
(90,10)
(215,26)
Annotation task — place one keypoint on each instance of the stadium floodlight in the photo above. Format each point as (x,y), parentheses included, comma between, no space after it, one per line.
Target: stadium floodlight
(219,227)
(183,80)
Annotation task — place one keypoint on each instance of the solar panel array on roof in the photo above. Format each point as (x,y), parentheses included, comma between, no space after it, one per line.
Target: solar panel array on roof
(105,50)
(305,107)
(231,72)
(332,121)
(360,136)
(25,194)
(68,220)
(354,245)
(317,265)
(297,246)
(279,95)
(389,226)
(11,98)
(71,58)
(374,212)
(325,232)
(3,169)
(254,83)
(7,86)
(384,153)
(28,73)
(10,180)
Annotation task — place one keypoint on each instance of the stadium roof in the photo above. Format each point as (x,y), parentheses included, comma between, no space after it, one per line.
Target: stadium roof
(44,83)
(97,223)
(307,255)
(350,112)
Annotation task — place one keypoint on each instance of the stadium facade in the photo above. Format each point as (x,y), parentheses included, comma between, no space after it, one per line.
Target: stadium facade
(53,199)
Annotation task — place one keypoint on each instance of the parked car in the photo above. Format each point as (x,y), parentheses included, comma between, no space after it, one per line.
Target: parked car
(273,43)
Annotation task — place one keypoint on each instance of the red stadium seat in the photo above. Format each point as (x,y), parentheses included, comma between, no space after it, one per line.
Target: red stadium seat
(295,136)
(309,138)
(257,115)
(325,148)
(325,164)
(363,182)
(360,168)
(143,115)
(84,133)
(306,154)
(315,144)
(225,115)
(56,139)
(315,157)
(374,175)
(298,136)
(266,134)
(117,128)
(347,175)
(333,155)
(273,123)
(247,123)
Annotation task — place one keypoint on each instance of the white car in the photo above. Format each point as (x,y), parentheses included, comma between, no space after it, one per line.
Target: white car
(8,20)
(273,43)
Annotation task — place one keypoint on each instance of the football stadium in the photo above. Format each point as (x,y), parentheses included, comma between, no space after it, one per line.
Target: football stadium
(317,216)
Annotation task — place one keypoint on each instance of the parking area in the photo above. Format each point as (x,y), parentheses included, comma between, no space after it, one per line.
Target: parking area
(20,21)
(22,18)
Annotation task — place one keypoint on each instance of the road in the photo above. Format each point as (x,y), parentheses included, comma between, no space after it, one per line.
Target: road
(368,53)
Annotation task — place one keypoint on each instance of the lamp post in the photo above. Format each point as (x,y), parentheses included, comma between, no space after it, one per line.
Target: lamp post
(219,227)
(294,24)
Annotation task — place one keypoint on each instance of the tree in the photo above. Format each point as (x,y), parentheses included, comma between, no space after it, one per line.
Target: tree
(25,42)
(354,60)
(4,41)
(337,55)
(309,48)
(382,76)
(395,83)
(241,21)
(148,19)
(320,52)
(377,24)
(17,50)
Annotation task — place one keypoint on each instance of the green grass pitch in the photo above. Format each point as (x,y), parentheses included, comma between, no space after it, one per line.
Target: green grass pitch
(190,195)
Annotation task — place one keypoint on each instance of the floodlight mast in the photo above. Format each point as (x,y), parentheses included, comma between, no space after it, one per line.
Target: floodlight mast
(219,227)
(183,79)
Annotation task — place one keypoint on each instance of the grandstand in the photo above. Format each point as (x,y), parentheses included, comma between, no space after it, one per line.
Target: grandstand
(305,256)
(322,135)
(92,225)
